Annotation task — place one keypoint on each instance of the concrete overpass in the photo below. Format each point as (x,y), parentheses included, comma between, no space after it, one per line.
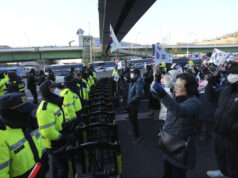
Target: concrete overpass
(122,15)
(178,49)
(55,53)
(45,53)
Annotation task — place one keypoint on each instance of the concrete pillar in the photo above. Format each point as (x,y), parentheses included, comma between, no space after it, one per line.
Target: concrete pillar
(42,63)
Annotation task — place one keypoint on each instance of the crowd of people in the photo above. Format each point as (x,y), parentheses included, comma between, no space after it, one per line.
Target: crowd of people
(201,101)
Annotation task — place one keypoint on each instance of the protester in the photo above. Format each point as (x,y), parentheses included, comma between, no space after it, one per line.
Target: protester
(148,78)
(182,115)
(135,94)
(208,107)
(154,104)
(226,125)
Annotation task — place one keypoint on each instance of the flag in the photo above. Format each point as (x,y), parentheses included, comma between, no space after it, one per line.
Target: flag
(217,55)
(224,59)
(159,54)
(196,56)
(114,44)
(119,65)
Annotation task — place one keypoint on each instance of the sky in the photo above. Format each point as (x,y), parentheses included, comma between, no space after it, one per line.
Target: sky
(25,23)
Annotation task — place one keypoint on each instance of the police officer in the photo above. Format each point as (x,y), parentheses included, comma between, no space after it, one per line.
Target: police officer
(115,76)
(82,88)
(72,71)
(51,75)
(162,67)
(21,146)
(71,104)
(50,117)
(2,84)
(90,77)
(88,87)
(15,84)
(94,72)
(41,77)
(31,84)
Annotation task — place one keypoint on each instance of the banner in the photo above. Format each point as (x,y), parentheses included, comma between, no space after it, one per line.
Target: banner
(196,56)
(202,85)
(159,54)
(114,43)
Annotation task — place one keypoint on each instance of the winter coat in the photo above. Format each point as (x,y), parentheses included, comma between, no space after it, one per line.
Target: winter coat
(226,114)
(208,109)
(180,122)
(135,92)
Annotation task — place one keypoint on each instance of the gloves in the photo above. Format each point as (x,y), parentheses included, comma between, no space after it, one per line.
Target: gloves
(157,89)
(64,138)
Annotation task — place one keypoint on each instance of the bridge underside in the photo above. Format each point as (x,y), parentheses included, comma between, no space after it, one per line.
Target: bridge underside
(122,15)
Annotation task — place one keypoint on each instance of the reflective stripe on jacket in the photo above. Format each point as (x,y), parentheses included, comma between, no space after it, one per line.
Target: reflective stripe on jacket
(71,103)
(16,154)
(50,119)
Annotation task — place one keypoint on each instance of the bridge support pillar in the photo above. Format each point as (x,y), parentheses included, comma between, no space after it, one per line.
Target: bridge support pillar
(43,62)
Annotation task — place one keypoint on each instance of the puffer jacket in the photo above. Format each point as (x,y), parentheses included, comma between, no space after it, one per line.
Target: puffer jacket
(181,121)
(135,92)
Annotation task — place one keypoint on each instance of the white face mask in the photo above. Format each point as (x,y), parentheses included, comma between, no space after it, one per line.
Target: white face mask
(232,78)
(132,75)
(57,92)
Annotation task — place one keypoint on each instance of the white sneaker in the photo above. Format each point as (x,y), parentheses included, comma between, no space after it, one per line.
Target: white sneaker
(215,173)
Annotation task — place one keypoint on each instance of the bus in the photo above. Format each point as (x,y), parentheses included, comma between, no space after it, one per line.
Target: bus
(62,70)
(102,66)
(20,70)
(140,63)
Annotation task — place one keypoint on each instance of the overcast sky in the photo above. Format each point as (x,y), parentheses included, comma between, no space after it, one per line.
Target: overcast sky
(55,22)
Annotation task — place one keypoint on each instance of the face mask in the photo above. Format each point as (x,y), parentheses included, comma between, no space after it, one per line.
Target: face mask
(132,75)
(232,78)
(57,92)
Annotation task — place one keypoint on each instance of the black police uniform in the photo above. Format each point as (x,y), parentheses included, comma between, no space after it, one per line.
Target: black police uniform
(51,76)
(31,85)
(15,84)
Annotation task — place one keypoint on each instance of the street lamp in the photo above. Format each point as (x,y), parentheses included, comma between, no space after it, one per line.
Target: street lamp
(192,33)
(27,36)
(70,42)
